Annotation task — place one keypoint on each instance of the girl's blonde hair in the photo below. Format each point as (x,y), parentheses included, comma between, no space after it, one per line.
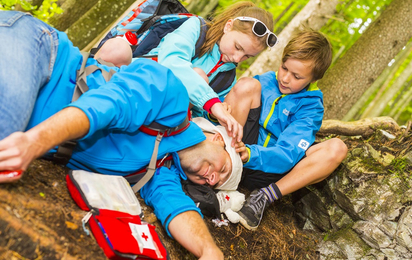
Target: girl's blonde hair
(216,26)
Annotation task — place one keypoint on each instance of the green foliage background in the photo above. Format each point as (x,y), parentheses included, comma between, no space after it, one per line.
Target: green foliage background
(44,12)
(343,29)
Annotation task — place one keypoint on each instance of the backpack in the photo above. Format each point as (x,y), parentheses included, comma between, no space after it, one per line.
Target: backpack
(151,20)
(204,197)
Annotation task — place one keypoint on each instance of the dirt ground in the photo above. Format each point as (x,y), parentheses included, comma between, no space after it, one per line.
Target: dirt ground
(39,220)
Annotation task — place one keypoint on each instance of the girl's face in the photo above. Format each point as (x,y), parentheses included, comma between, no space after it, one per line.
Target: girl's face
(236,46)
(294,75)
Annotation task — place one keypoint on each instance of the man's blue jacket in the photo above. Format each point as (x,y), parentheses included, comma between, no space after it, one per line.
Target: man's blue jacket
(136,95)
(287,126)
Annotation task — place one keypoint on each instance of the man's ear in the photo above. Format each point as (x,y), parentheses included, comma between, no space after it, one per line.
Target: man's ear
(215,137)
(228,26)
(218,137)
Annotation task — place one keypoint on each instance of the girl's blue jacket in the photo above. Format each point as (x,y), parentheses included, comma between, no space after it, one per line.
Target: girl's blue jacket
(176,51)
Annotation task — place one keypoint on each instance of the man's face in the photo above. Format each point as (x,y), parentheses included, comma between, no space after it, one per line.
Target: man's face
(294,75)
(208,163)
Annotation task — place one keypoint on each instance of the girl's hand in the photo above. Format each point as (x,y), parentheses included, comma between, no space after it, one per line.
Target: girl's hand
(227,107)
(241,149)
(234,129)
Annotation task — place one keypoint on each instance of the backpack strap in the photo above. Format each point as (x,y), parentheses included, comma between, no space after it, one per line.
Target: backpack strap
(223,80)
(152,165)
(81,83)
(65,150)
(161,131)
(202,37)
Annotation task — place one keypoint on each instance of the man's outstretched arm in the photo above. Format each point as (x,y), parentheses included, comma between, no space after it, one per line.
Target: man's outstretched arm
(189,229)
(19,149)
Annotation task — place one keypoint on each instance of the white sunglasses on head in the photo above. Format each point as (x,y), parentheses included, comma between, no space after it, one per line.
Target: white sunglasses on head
(260,30)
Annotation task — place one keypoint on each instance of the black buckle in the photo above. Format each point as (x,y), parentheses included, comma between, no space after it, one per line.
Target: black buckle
(64,152)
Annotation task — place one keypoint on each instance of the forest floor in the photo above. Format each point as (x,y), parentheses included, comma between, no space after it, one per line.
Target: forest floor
(39,220)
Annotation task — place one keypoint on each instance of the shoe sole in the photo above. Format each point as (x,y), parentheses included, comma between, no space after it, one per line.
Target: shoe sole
(10,176)
(245,224)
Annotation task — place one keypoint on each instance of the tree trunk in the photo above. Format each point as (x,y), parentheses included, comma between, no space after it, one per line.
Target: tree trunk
(96,20)
(383,80)
(365,127)
(73,10)
(391,92)
(312,15)
(402,103)
(355,72)
(201,7)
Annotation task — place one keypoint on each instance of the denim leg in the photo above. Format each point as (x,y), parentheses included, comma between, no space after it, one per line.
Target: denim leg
(28,50)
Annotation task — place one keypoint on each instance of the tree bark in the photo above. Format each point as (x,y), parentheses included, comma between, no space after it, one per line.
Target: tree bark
(355,72)
(201,7)
(73,10)
(96,20)
(402,103)
(312,15)
(365,127)
(391,92)
(381,82)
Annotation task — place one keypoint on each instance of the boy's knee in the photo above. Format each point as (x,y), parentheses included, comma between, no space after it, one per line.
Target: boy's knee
(337,149)
(247,87)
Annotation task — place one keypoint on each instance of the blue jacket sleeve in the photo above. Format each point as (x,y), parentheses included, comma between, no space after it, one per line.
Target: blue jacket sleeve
(176,51)
(164,193)
(137,95)
(291,144)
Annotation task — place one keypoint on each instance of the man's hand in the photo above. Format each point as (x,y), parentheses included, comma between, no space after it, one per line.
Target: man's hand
(17,151)
(241,149)
(234,129)
(189,229)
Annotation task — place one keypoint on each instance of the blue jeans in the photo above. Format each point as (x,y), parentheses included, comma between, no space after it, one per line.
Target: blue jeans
(28,49)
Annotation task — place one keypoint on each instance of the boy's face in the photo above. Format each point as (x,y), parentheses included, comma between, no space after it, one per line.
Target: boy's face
(294,75)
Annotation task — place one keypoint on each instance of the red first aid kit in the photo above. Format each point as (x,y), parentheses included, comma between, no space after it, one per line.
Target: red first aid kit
(114,216)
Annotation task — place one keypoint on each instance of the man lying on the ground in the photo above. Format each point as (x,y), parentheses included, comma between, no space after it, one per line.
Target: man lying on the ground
(37,81)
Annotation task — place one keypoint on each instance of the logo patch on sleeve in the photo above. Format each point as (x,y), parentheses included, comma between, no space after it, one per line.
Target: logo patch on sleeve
(303,144)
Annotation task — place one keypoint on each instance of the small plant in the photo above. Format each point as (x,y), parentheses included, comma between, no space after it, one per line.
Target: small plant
(44,12)
(399,169)
(399,165)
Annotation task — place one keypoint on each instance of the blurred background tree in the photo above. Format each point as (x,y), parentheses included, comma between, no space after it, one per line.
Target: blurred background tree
(44,10)
(344,22)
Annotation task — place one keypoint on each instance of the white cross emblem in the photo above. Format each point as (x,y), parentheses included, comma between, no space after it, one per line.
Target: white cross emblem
(303,144)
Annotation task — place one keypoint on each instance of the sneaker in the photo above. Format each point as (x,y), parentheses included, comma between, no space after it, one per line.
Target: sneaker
(252,211)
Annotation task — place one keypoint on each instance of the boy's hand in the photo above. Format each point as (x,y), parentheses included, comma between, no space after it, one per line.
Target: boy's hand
(241,149)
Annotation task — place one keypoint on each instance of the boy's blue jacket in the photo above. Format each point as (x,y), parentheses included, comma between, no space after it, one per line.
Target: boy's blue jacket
(176,51)
(136,95)
(286,129)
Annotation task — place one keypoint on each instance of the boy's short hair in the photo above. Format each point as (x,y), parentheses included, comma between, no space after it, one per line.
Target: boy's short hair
(310,45)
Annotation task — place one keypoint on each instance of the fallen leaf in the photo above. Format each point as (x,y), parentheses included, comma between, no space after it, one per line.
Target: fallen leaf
(71,225)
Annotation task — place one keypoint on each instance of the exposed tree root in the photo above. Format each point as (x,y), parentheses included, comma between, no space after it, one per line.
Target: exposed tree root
(364,127)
